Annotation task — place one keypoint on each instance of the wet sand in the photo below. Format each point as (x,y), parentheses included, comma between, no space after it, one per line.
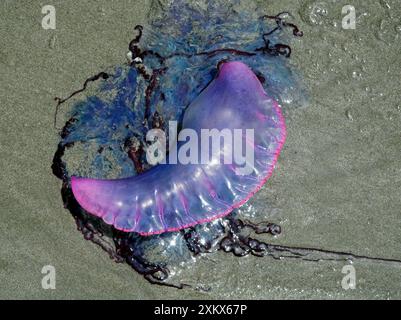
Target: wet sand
(337,184)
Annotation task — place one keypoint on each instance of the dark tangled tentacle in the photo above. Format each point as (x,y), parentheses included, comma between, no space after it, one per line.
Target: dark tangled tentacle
(101,75)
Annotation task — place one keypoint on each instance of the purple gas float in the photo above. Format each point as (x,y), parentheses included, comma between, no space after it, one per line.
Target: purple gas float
(174,196)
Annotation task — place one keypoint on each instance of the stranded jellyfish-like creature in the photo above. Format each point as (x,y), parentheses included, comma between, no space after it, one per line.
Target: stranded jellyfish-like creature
(216,66)
(171,197)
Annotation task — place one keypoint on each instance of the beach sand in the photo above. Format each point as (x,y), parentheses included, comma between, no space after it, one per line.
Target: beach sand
(337,184)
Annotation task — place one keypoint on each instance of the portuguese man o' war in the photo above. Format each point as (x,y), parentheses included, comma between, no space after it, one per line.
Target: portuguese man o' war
(170,197)
(212,66)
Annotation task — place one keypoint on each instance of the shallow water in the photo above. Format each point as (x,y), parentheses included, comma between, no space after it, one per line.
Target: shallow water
(336,185)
